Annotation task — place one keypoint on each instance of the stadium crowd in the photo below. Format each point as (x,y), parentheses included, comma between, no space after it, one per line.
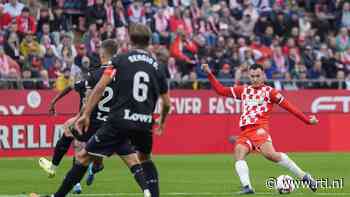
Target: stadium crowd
(54,41)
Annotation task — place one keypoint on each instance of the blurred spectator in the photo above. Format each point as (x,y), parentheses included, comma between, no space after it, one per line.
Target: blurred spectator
(261,25)
(109,33)
(265,51)
(63,80)
(176,21)
(55,70)
(91,33)
(308,57)
(44,81)
(241,74)
(288,84)
(49,58)
(95,46)
(316,72)
(162,55)
(5,18)
(341,77)
(301,74)
(29,46)
(345,15)
(34,8)
(161,34)
(78,72)
(66,50)
(25,22)
(345,59)
(8,67)
(191,82)
(225,74)
(12,47)
(280,25)
(136,12)
(96,13)
(59,23)
(81,52)
(110,12)
(45,18)
(343,40)
(182,49)
(304,25)
(27,82)
(119,15)
(45,34)
(14,8)
(173,69)
(246,26)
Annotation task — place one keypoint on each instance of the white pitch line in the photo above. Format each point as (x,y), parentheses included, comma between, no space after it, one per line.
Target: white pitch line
(190,194)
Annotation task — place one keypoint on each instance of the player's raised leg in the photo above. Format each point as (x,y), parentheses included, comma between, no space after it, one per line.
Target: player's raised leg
(60,150)
(242,170)
(283,160)
(74,175)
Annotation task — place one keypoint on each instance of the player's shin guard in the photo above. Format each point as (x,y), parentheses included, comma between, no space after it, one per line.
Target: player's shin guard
(139,176)
(291,166)
(61,149)
(243,172)
(151,177)
(73,177)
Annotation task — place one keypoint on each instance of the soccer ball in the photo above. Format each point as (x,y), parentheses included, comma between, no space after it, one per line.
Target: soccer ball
(284,184)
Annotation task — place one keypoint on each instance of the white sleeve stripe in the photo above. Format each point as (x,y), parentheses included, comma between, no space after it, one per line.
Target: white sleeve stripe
(281,100)
(233,93)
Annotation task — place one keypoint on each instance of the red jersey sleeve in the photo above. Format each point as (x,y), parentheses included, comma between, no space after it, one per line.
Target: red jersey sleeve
(234,92)
(279,99)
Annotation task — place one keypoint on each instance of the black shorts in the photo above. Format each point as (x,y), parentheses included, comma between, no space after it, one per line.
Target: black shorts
(142,141)
(108,141)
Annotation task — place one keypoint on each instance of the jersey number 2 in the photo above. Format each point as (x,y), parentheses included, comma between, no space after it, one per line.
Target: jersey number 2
(108,93)
(140,89)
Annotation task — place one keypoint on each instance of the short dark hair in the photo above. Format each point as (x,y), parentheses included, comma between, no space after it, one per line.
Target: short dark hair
(256,66)
(140,35)
(110,46)
(25,9)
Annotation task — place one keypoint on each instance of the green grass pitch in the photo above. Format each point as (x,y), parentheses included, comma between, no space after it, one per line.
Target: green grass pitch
(189,176)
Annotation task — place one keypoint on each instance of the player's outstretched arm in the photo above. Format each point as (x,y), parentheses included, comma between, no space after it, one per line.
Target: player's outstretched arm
(166,104)
(218,87)
(285,104)
(52,110)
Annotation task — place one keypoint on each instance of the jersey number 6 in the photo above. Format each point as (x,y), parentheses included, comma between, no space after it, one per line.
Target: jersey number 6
(140,89)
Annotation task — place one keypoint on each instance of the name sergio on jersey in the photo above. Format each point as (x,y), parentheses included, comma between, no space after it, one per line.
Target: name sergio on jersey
(144,118)
(145,58)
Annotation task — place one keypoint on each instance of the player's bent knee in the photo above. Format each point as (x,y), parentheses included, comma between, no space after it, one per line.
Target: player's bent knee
(272,156)
(130,160)
(83,157)
(240,152)
(144,157)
